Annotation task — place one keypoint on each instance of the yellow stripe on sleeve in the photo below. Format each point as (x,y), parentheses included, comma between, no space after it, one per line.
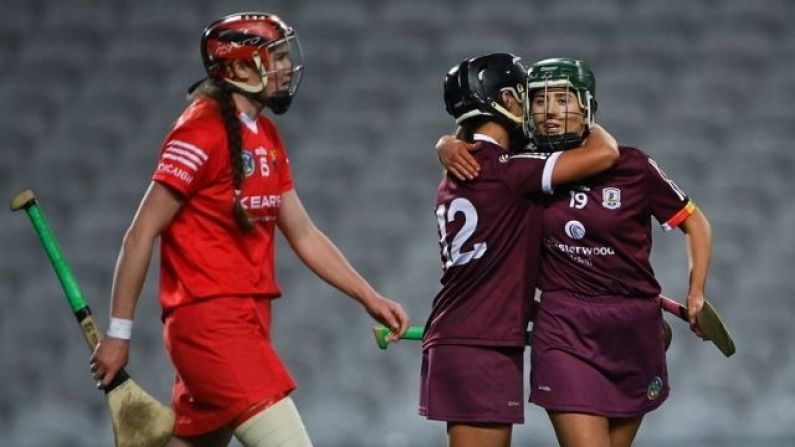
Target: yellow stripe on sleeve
(680,216)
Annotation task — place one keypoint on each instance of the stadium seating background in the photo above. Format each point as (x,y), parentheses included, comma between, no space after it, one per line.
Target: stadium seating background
(88,89)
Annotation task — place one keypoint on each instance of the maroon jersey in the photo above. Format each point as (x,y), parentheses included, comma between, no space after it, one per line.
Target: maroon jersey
(597,234)
(490,237)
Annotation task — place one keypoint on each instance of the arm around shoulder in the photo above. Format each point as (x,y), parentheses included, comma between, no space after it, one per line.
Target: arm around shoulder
(598,153)
(455,155)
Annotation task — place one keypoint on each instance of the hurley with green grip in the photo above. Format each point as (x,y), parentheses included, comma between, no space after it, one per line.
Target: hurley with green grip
(27,200)
(707,318)
(381,334)
(139,420)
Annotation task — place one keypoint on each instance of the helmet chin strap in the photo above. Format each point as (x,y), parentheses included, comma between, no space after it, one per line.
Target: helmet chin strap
(507,113)
(519,96)
(252,88)
(279,102)
(516,134)
(245,87)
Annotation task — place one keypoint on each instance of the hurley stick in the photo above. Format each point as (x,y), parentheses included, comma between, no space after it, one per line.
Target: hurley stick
(415,333)
(139,420)
(708,321)
(381,333)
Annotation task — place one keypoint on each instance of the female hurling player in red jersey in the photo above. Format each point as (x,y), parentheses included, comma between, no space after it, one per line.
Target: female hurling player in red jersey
(221,187)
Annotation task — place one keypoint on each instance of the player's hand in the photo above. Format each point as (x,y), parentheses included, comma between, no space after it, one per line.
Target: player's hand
(110,356)
(695,301)
(390,314)
(456,157)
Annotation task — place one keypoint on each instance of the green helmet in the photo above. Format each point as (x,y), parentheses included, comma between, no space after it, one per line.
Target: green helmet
(554,73)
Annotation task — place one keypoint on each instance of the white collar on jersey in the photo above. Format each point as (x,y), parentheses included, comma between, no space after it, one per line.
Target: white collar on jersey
(251,123)
(486,138)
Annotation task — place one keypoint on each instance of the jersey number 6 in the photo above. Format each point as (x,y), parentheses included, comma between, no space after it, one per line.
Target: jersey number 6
(451,255)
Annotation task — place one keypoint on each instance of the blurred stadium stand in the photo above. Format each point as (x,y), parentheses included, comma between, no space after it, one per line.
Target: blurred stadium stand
(89,88)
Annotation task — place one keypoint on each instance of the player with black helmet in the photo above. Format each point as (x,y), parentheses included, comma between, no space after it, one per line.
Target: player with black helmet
(598,358)
(475,87)
(490,232)
(222,185)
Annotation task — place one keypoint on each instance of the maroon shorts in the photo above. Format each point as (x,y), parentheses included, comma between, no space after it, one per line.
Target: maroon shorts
(602,355)
(221,350)
(472,384)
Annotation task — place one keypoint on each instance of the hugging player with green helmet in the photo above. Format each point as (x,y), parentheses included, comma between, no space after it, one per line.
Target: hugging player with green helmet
(598,358)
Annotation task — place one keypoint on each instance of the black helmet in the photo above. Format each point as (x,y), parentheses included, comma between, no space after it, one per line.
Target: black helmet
(473,87)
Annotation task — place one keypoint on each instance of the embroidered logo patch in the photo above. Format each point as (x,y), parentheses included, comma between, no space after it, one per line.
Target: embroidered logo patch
(574,229)
(654,388)
(248,163)
(611,198)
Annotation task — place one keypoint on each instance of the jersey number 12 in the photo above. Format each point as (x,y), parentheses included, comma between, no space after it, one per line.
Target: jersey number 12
(451,254)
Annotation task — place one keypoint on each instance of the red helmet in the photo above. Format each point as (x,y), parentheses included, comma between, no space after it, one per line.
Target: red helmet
(263,40)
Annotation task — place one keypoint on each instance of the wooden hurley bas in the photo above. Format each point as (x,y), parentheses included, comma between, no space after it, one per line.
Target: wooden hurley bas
(708,320)
(139,420)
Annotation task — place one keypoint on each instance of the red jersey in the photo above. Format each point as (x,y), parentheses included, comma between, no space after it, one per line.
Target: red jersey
(597,234)
(203,251)
(490,232)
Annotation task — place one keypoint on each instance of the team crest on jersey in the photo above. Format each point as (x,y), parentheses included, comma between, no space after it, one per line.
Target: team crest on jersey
(654,388)
(611,198)
(574,229)
(248,163)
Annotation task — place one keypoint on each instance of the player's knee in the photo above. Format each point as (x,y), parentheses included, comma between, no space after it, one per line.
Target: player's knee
(279,425)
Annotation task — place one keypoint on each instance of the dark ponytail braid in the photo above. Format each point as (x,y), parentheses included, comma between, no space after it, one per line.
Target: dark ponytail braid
(223,96)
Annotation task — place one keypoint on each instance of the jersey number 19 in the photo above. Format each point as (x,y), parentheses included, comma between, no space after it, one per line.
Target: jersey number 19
(451,254)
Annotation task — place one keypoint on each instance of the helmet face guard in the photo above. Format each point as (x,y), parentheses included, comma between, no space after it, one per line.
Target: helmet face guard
(559,78)
(265,43)
(280,63)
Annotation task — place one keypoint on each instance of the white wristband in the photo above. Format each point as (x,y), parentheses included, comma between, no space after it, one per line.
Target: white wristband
(120,328)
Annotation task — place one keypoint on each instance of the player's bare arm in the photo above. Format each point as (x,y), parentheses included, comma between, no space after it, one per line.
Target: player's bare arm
(315,249)
(158,207)
(455,155)
(699,246)
(598,153)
